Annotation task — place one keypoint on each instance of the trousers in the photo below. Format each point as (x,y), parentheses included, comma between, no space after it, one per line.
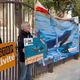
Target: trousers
(25,71)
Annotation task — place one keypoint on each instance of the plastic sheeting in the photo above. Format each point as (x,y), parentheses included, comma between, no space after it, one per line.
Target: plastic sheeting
(58,35)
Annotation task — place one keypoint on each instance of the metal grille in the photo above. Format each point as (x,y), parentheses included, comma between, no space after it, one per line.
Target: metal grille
(12,14)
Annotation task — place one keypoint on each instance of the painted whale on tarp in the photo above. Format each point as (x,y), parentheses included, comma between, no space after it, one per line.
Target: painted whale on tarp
(50,29)
(60,36)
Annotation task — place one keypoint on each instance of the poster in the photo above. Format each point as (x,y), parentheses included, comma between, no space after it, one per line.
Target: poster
(35,50)
(7,55)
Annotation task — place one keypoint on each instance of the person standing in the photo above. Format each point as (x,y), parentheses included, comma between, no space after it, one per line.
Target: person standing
(25,70)
(0,40)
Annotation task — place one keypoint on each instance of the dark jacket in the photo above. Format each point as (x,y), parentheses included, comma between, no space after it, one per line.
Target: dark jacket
(21,37)
(0,40)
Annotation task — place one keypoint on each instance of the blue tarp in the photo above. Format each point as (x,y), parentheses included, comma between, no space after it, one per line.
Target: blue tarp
(58,35)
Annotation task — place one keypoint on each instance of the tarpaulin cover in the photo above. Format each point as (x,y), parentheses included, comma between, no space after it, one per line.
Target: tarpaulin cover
(61,37)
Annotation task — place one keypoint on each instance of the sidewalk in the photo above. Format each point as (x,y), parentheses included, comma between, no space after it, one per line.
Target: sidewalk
(67,71)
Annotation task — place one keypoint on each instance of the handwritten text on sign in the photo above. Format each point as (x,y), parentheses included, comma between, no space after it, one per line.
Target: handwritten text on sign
(7,55)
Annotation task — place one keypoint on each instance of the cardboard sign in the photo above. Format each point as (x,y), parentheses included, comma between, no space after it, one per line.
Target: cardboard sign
(35,52)
(7,55)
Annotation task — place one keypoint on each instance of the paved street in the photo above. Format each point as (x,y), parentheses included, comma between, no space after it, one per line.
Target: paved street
(67,71)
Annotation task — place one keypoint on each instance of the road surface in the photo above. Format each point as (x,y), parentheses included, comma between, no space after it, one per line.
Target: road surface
(67,71)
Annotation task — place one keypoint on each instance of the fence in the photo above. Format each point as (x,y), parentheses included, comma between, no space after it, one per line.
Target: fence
(12,14)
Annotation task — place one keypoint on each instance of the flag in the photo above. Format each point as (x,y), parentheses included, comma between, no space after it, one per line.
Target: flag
(39,7)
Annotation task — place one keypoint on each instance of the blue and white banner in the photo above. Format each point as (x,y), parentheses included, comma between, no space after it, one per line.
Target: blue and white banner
(53,32)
